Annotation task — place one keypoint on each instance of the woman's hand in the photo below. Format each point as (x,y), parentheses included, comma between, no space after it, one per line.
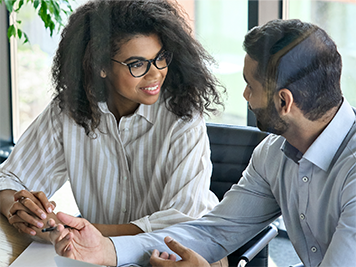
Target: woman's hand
(29,211)
(82,241)
(189,257)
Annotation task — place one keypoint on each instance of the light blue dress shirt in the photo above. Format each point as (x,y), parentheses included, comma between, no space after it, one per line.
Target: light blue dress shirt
(315,193)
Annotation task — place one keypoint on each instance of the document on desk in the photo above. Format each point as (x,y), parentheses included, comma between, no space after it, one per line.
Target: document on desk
(40,254)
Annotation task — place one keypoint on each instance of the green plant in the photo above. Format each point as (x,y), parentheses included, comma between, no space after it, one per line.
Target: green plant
(51,13)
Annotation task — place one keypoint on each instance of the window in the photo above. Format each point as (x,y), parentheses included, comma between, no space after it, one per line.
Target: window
(338,19)
(221,26)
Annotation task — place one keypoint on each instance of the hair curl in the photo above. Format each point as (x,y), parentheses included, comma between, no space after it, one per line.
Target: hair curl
(94,34)
(310,68)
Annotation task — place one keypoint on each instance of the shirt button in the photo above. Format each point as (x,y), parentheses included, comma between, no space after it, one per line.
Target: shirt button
(123,210)
(302,216)
(125,178)
(305,179)
(313,249)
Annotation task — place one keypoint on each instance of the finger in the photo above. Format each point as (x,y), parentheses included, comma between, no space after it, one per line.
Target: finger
(48,206)
(22,227)
(54,204)
(30,205)
(172,257)
(157,261)
(23,217)
(164,255)
(74,222)
(56,236)
(63,244)
(178,248)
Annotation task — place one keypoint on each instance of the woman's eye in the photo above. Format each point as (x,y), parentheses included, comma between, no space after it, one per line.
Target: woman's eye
(161,57)
(137,64)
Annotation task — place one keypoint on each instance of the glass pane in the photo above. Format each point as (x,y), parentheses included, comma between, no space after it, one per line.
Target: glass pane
(33,62)
(338,19)
(221,26)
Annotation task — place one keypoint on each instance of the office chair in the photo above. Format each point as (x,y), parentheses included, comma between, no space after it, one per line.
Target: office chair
(231,148)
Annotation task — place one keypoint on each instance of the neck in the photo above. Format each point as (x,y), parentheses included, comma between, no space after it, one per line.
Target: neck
(121,109)
(302,133)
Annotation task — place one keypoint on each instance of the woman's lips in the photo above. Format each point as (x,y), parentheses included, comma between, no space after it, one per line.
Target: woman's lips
(151,90)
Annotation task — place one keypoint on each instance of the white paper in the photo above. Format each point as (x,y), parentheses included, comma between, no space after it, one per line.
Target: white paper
(35,255)
(65,262)
(40,254)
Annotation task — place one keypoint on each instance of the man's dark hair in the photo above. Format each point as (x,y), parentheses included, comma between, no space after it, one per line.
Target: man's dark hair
(94,34)
(300,57)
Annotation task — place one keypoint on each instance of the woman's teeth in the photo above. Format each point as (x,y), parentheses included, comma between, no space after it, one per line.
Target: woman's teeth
(151,88)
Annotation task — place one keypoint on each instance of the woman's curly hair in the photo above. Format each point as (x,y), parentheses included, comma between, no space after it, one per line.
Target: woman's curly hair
(93,36)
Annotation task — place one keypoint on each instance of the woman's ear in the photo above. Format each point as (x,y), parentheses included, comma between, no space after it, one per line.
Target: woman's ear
(102,74)
(284,101)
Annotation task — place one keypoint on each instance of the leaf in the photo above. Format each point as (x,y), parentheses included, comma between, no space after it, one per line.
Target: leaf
(10,4)
(19,33)
(36,4)
(11,31)
(20,5)
(26,38)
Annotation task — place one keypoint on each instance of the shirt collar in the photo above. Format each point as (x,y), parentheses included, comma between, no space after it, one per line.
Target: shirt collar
(324,148)
(148,112)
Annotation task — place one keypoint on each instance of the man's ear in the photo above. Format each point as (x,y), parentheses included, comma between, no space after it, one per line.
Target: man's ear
(102,74)
(284,101)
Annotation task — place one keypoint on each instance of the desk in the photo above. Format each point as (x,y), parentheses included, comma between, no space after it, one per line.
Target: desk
(12,243)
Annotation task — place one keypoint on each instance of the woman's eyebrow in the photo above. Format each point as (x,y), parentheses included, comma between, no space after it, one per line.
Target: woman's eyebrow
(142,58)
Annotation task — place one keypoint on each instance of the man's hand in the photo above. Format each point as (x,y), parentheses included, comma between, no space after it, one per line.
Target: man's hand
(82,241)
(189,257)
(29,211)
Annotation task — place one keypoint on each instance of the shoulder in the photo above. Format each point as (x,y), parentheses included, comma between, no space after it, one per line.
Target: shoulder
(165,119)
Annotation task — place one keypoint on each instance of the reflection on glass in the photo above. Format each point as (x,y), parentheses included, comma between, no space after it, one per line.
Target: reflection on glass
(338,19)
(221,26)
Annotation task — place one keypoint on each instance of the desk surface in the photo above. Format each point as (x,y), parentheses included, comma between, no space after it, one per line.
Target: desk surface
(12,243)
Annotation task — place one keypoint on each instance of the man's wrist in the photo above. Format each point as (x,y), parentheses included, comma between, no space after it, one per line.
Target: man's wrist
(110,258)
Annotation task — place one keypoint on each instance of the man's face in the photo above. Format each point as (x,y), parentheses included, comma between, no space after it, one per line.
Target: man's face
(264,109)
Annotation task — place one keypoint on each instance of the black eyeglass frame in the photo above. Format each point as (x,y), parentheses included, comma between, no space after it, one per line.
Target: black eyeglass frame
(149,62)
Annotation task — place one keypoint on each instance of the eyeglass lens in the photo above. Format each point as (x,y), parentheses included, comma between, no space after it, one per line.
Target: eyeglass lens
(140,68)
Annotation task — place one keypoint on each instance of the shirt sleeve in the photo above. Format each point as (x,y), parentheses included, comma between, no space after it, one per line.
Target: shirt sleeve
(341,251)
(246,209)
(186,194)
(37,161)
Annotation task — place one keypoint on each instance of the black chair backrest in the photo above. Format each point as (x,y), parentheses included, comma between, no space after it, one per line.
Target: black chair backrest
(231,149)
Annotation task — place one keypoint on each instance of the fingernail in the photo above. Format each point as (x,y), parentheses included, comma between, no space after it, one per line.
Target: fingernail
(39,225)
(33,233)
(169,239)
(49,210)
(43,215)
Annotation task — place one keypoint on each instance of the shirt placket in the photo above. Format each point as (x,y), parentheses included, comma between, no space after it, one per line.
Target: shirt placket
(304,180)
(124,179)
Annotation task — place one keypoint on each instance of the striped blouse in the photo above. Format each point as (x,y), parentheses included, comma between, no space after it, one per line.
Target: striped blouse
(152,169)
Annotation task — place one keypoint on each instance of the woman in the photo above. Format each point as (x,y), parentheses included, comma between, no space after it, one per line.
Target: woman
(125,127)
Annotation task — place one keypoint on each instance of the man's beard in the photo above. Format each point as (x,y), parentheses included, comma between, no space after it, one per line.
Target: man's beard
(268,119)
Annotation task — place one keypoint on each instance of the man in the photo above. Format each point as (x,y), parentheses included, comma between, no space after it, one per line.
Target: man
(306,170)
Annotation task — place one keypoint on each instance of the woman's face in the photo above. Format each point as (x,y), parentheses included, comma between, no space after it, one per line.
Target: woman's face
(126,92)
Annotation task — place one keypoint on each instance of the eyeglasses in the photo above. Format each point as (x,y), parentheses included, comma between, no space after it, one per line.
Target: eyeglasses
(139,68)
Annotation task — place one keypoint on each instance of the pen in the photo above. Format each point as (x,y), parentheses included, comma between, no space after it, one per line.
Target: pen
(53,228)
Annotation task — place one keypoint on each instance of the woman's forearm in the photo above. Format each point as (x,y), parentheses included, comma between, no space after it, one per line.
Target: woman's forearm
(118,229)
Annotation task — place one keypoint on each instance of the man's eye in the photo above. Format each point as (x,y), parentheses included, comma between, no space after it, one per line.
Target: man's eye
(137,64)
